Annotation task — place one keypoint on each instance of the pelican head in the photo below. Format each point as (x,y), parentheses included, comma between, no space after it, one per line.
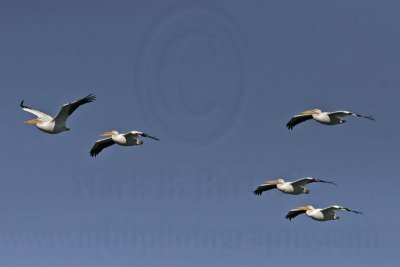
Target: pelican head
(33,121)
(281,181)
(311,112)
(109,133)
(309,207)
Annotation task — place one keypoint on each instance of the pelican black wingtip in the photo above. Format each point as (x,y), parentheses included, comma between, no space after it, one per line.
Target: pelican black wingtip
(90,98)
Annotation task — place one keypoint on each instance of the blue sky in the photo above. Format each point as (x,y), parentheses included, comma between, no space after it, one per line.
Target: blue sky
(216,81)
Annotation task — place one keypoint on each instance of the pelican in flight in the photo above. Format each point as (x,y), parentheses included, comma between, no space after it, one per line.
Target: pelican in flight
(325,214)
(124,139)
(293,188)
(57,124)
(327,118)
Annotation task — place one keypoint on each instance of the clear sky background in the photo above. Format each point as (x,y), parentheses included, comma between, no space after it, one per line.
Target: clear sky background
(216,81)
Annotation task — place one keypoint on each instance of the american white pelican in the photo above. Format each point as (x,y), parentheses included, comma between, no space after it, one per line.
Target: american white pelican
(125,139)
(325,214)
(293,188)
(327,118)
(55,125)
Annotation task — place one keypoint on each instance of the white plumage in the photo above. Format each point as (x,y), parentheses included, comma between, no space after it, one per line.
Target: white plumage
(294,188)
(325,214)
(326,118)
(57,124)
(124,139)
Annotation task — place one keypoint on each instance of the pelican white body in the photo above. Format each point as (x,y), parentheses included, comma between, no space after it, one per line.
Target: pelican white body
(126,140)
(51,127)
(318,215)
(325,118)
(289,188)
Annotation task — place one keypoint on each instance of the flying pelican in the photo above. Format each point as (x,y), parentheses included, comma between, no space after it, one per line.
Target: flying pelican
(325,214)
(293,188)
(327,118)
(126,139)
(55,125)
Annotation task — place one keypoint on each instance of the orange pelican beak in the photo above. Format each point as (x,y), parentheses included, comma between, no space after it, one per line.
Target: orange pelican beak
(33,121)
(309,112)
(107,133)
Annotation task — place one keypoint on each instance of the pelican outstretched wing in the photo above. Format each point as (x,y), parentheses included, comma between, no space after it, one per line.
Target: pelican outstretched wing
(298,119)
(136,134)
(344,113)
(335,207)
(68,109)
(268,185)
(295,212)
(308,180)
(41,115)
(100,145)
